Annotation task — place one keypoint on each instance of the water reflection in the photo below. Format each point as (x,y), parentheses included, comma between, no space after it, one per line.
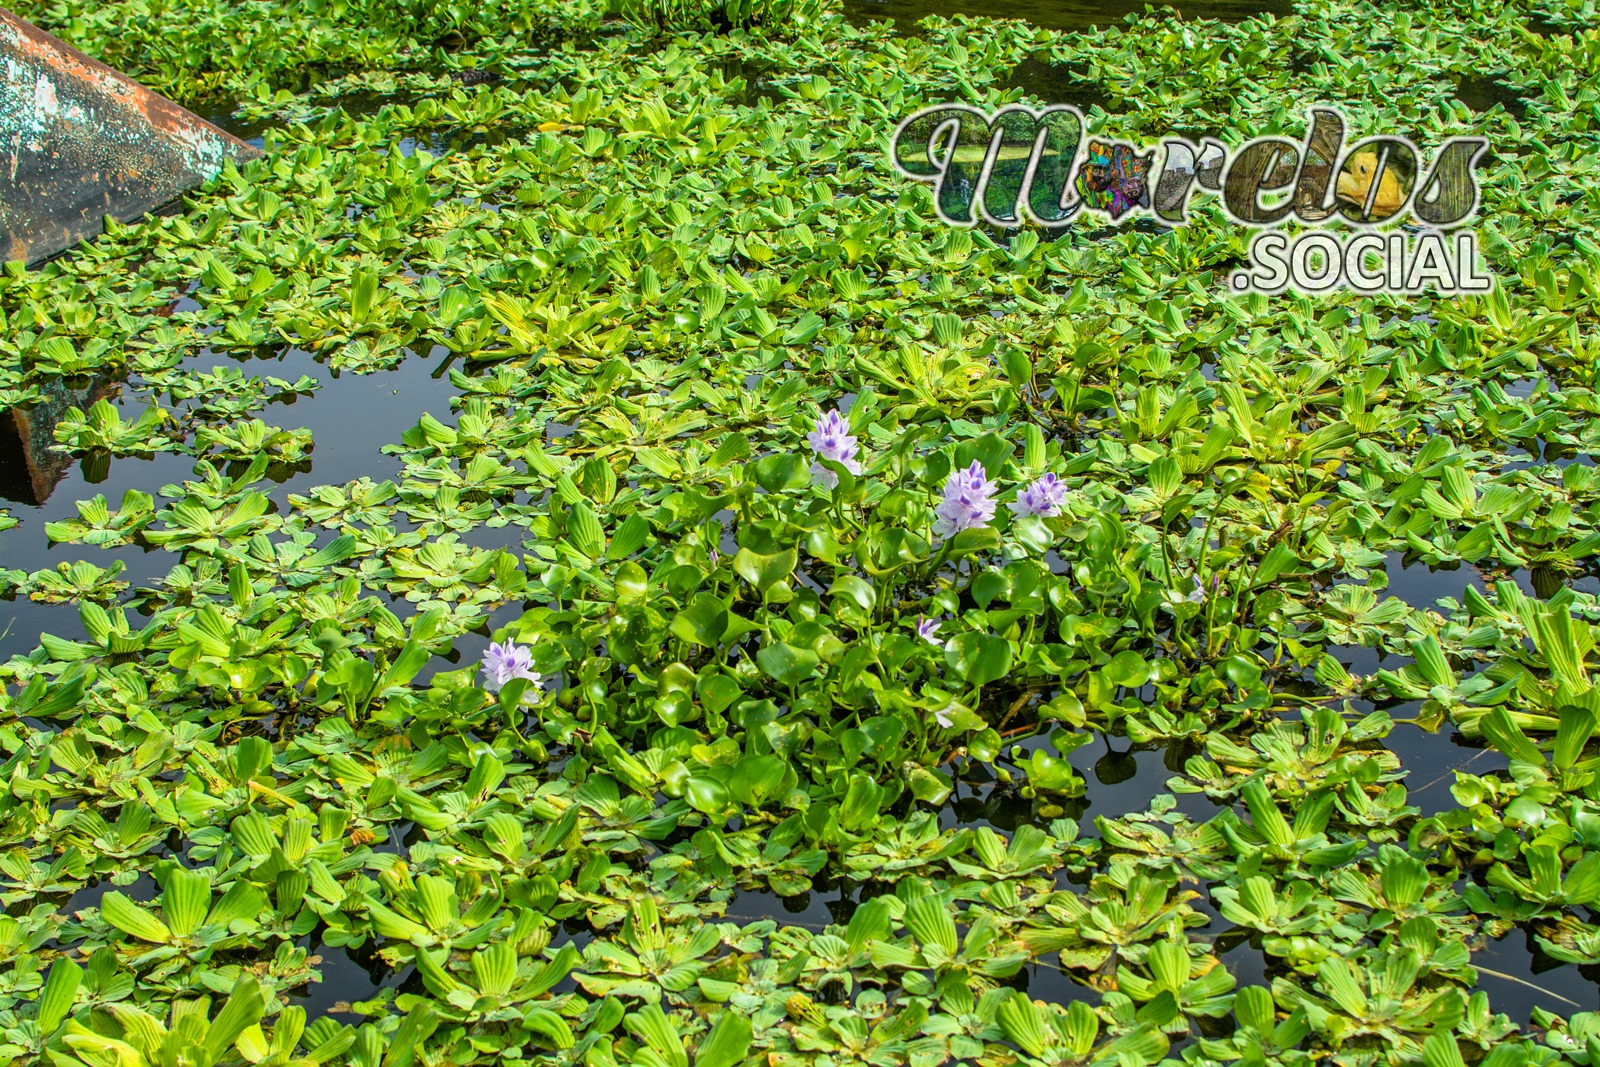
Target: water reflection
(29,468)
(1519,976)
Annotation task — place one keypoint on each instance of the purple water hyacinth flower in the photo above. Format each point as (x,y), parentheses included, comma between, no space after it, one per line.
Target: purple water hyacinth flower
(505,662)
(1043,498)
(927,628)
(830,438)
(968,502)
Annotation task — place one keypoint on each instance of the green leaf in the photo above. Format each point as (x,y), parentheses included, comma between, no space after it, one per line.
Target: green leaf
(1127,669)
(727,1043)
(1254,1008)
(243,900)
(60,989)
(125,915)
(862,801)
(704,622)
(245,1007)
(630,537)
(1441,1050)
(979,658)
(1264,814)
(1504,734)
(931,924)
(1279,560)
(787,664)
(777,473)
(185,901)
(1165,476)
(583,525)
(1576,726)
(655,1029)
(764,571)
(856,590)
(1023,1022)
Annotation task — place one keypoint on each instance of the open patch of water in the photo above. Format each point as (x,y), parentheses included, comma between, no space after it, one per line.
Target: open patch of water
(1422,585)
(351,417)
(1042,78)
(1431,760)
(1519,977)
(1482,92)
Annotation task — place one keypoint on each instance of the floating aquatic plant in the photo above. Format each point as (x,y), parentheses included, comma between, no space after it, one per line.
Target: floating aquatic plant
(968,502)
(246,759)
(1042,497)
(503,662)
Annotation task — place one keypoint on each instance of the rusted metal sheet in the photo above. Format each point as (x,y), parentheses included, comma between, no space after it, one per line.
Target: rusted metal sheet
(79,141)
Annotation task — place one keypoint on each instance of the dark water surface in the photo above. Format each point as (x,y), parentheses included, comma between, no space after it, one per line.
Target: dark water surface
(351,417)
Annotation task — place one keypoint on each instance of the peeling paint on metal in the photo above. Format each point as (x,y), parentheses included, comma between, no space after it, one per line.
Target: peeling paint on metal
(78,141)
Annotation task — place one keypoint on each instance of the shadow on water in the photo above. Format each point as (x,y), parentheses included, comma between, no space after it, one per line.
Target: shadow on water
(1124,778)
(753,76)
(351,416)
(1481,92)
(349,976)
(1054,83)
(1042,79)
(1422,585)
(1051,14)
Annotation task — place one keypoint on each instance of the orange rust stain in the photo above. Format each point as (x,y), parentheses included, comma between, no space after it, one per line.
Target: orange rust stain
(63,59)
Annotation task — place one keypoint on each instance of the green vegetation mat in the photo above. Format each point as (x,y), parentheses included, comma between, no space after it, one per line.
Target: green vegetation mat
(1171,779)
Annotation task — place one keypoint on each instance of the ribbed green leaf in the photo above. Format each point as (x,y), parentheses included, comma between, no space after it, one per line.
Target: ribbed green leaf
(60,989)
(495,968)
(245,1007)
(1264,814)
(1576,726)
(930,923)
(653,1027)
(1505,735)
(131,919)
(1022,1021)
(727,1043)
(436,902)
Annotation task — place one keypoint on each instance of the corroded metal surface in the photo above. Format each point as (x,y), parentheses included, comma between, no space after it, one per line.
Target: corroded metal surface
(79,141)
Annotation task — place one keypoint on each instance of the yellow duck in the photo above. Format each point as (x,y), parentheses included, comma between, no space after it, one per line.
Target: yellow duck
(1355,182)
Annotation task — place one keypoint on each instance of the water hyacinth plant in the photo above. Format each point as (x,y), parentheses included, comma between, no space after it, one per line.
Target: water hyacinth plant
(967,504)
(503,662)
(830,439)
(1042,497)
(1259,725)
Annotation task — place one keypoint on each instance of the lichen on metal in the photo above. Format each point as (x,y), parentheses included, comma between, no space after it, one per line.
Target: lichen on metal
(80,141)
